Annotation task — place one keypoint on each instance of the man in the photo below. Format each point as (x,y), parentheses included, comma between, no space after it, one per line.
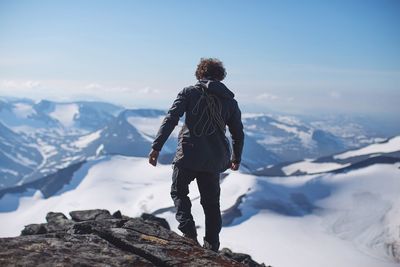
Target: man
(203,150)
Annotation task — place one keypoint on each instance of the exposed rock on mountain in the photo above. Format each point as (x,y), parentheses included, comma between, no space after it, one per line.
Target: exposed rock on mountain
(96,237)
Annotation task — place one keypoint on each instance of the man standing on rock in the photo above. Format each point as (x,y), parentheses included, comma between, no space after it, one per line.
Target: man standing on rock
(203,150)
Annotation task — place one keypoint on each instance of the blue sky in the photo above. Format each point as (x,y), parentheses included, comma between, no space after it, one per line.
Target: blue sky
(302,57)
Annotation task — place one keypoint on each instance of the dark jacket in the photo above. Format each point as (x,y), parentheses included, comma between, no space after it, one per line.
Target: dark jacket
(202,145)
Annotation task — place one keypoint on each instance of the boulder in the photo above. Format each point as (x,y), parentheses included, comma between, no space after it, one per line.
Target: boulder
(240,257)
(89,215)
(160,221)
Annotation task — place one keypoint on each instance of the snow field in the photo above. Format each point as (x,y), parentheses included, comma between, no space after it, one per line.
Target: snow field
(391,145)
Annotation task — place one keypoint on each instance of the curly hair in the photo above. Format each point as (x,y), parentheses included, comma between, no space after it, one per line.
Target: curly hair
(210,68)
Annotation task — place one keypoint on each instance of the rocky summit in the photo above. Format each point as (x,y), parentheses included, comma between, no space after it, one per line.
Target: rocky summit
(99,238)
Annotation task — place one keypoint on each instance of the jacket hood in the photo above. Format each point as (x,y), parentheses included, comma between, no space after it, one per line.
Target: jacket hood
(216,88)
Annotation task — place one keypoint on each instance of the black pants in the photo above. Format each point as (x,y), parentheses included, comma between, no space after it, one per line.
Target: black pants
(208,184)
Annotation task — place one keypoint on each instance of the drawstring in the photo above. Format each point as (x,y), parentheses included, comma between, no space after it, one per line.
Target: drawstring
(211,114)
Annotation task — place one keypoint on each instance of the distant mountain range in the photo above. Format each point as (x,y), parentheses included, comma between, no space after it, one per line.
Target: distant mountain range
(40,138)
(387,151)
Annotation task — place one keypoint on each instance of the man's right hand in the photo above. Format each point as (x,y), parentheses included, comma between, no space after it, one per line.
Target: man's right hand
(235,166)
(153,156)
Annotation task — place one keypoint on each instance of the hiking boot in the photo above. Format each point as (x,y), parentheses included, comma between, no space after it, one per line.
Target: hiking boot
(192,237)
(211,246)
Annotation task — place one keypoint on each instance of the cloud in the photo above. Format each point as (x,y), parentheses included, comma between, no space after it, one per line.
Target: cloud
(121,90)
(97,88)
(267,96)
(148,91)
(15,84)
(92,86)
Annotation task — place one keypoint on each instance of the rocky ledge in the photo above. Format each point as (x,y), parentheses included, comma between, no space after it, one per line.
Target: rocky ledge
(98,238)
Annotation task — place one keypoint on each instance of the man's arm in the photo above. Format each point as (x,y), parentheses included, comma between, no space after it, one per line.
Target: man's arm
(236,129)
(170,121)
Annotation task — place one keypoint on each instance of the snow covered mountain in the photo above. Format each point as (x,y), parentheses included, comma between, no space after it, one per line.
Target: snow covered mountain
(354,214)
(24,114)
(292,139)
(49,136)
(17,157)
(44,137)
(387,151)
(121,137)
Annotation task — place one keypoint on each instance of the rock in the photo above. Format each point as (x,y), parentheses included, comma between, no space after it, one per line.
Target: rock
(55,217)
(97,238)
(65,250)
(240,257)
(160,221)
(34,229)
(56,221)
(117,215)
(88,215)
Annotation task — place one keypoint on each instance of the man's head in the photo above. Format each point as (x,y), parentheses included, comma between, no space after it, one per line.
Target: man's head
(210,68)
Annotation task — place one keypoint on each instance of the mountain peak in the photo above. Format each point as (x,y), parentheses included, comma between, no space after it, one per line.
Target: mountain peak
(94,237)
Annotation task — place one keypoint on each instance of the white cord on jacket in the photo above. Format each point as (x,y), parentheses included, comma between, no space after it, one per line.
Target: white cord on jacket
(211,114)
